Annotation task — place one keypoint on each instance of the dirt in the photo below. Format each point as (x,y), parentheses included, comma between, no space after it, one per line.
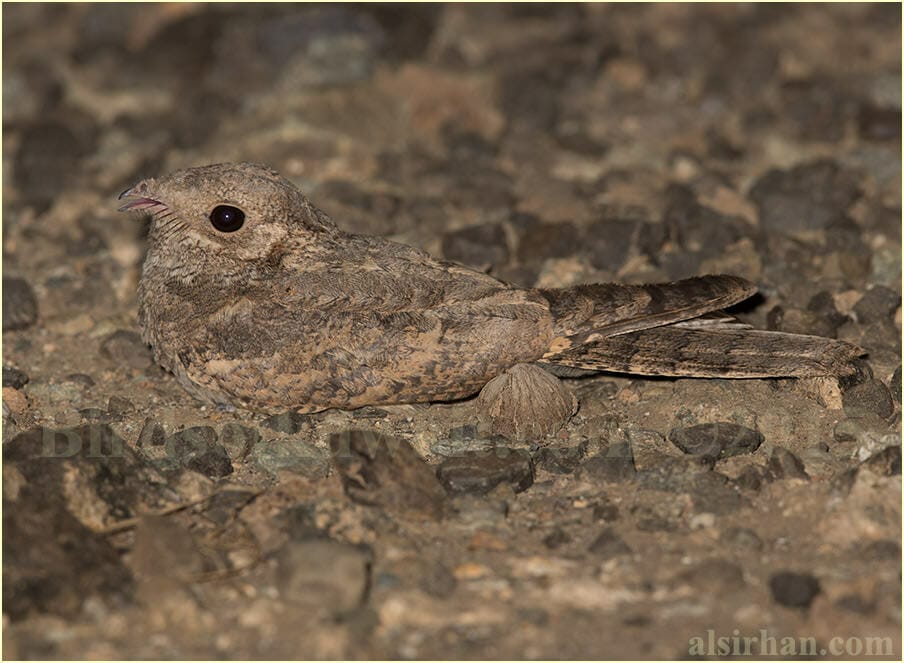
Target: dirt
(548,145)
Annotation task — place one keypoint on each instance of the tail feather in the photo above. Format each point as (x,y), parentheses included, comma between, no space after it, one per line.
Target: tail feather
(584,313)
(712,350)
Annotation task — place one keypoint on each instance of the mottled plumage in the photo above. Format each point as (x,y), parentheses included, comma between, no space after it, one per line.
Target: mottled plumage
(286,311)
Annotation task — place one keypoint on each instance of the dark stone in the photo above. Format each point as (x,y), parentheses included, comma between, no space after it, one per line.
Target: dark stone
(480,471)
(13,377)
(871,396)
(785,465)
(117,406)
(49,158)
(126,347)
(292,455)
(716,440)
(879,124)
(794,590)
(750,478)
(223,507)
(877,304)
(151,435)
(711,492)
(20,308)
(823,305)
(437,580)
(238,440)
(798,321)
(300,522)
(80,379)
(94,414)
(609,544)
(698,229)
(477,246)
(378,470)
(605,511)
(556,538)
(197,449)
(807,197)
(816,107)
(886,462)
(882,549)
(894,385)
(609,242)
(560,460)
(614,465)
(548,240)
(287,422)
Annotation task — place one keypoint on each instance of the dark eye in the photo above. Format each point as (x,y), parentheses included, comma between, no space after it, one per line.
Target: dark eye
(226,218)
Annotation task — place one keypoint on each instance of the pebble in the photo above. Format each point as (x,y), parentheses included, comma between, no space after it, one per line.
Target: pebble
(794,590)
(711,492)
(614,465)
(378,470)
(560,460)
(325,576)
(609,544)
(716,440)
(558,537)
(605,512)
(785,465)
(238,440)
(481,472)
(885,463)
(877,304)
(868,397)
(878,123)
(152,434)
(894,385)
(13,377)
(477,246)
(743,538)
(20,307)
(126,347)
(292,455)
(750,478)
(197,449)
(288,422)
(806,197)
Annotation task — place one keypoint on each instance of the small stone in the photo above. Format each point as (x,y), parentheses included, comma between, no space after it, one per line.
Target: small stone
(117,406)
(743,538)
(807,197)
(126,347)
(883,549)
(785,465)
(716,440)
(885,463)
(288,422)
(151,435)
(13,377)
(481,472)
(894,385)
(614,465)
(750,478)
(556,538)
(542,241)
(378,470)
(794,590)
(605,511)
(560,460)
(871,396)
(20,308)
(292,455)
(438,580)
(197,449)
(609,544)
(525,403)
(238,440)
(324,576)
(879,124)
(94,414)
(477,246)
(877,304)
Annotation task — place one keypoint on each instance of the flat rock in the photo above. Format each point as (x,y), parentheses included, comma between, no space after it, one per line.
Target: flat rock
(716,440)
(20,307)
(480,472)
(325,576)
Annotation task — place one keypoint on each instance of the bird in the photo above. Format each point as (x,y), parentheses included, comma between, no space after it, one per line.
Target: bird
(252,297)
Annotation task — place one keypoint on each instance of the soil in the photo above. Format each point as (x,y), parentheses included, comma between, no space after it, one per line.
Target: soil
(548,145)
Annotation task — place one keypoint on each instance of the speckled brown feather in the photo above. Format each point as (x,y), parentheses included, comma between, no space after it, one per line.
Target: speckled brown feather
(289,312)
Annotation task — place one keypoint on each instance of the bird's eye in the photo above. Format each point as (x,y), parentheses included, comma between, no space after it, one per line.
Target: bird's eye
(226,218)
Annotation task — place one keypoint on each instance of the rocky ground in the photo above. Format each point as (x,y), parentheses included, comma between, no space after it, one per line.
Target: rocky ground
(549,145)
